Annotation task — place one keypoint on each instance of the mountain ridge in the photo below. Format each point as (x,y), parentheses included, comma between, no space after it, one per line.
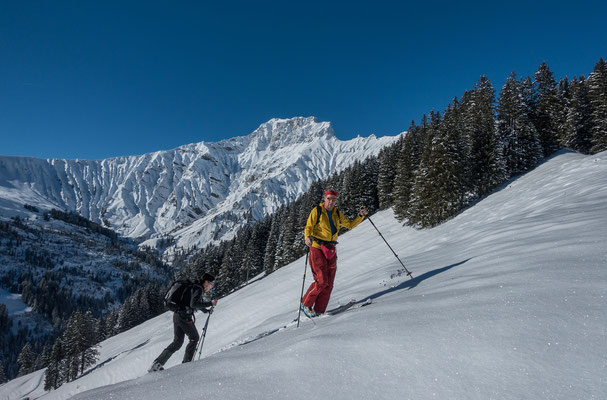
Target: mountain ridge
(191,195)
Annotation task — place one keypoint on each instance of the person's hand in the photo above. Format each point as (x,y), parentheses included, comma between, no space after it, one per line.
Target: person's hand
(363,212)
(214,302)
(308,242)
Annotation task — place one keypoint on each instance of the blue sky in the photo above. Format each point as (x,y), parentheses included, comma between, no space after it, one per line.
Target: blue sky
(85,79)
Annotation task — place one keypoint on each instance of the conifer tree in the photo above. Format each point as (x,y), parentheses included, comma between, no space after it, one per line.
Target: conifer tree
(286,239)
(45,356)
(335,182)
(100,329)
(227,271)
(311,199)
(407,165)
(522,147)
(2,374)
(346,189)
(26,360)
(111,326)
(3,317)
(426,137)
(127,316)
(387,170)
(579,118)
(546,109)
(253,261)
(529,98)
(54,376)
(564,99)
(87,344)
(369,196)
(155,296)
(240,247)
(486,162)
(448,173)
(351,190)
(299,245)
(272,243)
(597,92)
(438,192)
(70,339)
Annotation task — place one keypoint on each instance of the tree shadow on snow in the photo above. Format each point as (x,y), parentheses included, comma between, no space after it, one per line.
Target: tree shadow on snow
(411,283)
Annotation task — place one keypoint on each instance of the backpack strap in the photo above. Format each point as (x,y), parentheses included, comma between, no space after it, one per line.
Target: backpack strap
(318,213)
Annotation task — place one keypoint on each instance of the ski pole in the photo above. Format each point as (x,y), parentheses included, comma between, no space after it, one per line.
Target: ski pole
(204,332)
(302,286)
(382,236)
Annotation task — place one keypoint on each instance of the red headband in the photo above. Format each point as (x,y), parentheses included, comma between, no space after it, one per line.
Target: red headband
(331,193)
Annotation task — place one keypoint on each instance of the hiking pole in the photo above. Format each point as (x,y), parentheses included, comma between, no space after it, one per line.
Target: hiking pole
(204,332)
(382,236)
(302,286)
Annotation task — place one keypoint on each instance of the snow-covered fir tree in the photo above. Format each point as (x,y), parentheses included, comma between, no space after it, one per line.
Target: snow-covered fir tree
(579,117)
(45,356)
(546,109)
(227,278)
(285,252)
(386,174)
(272,243)
(253,259)
(54,375)
(79,347)
(597,92)
(26,360)
(522,147)
(407,163)
(564,99)
(486,162)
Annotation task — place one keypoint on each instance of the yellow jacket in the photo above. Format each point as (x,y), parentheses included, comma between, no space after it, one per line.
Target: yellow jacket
(321,229)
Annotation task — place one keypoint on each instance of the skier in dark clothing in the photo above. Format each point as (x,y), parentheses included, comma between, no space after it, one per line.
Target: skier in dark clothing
(183,321)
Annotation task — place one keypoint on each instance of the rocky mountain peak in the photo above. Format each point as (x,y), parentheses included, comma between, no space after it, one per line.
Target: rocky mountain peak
(279,132)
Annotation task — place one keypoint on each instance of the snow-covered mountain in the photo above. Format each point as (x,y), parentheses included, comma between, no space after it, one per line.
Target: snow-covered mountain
(507,301)
(193,194)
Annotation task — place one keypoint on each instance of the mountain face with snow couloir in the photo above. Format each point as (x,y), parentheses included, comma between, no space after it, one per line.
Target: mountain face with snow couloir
(194,194)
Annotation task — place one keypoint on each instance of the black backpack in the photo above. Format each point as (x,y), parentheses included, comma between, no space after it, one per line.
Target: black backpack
(178,296)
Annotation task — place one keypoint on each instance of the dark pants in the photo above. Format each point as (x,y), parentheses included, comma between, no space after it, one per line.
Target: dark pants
(182,325)
(319,292)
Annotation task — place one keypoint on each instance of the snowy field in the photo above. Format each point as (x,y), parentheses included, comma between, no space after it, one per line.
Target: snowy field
(14,304)
(508,301)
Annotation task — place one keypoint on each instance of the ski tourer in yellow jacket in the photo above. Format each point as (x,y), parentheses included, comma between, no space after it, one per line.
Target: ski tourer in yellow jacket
(321,228)
(321,234)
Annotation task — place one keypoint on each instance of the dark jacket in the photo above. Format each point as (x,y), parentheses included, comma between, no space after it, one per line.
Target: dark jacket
(194,297)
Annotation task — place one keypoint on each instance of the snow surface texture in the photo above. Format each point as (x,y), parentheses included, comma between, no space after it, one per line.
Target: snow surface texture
(195,194)
(508,301)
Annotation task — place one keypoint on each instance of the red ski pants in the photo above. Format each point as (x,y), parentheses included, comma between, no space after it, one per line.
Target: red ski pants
(319,292)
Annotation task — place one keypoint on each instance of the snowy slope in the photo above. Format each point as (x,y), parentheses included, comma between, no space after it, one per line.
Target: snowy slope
(508,301)
(193,194)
